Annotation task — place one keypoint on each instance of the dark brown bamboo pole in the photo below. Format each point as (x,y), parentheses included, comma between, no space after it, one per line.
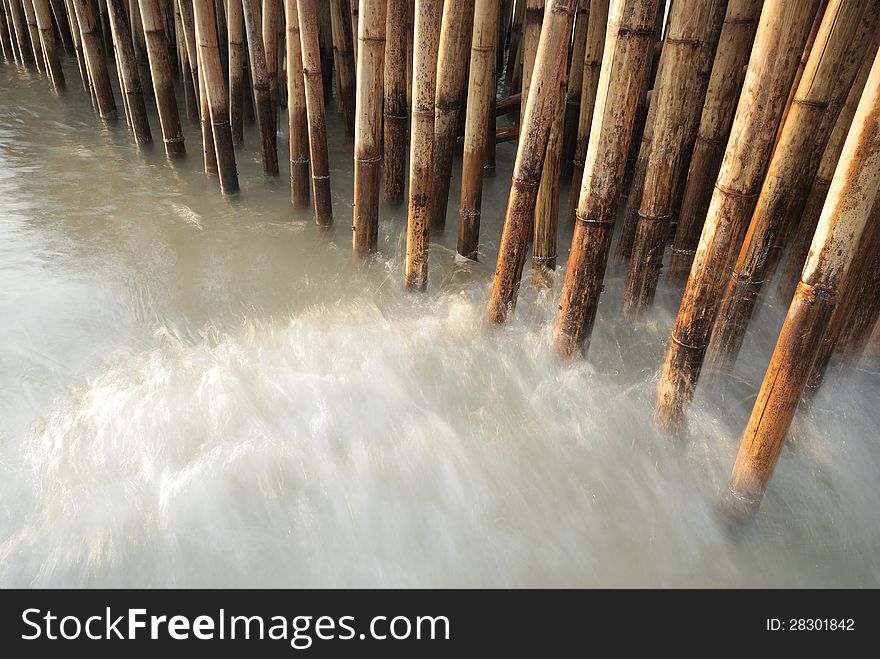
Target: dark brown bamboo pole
(236,49)
(297,116)
(186,68)
(410,38)
(545,96)
(314,88)
(34,34)
(533,20)
(514,53)
(128,67)
(455,38)
(728,72)
(677,105)
(43,15)
(856,332)
(140,44)
(265,113)
(575,84)
(354,7)
(625,63)
(368,125)
(93,51)
(160,69)
(828,75)
(325,42)
(395,109)
(271,9)
(481,94)
(421,155)
(782,31)
(19,27)
(59,12)
(10,45)
(852,194)
(191,48)
(9,53)
(76,37)
(592,68)
(343,59)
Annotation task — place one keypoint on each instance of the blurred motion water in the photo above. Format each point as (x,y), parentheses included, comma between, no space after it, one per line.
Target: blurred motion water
(202,390)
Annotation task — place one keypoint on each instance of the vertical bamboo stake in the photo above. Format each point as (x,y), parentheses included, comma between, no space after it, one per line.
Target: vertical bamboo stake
(297,116)
(160,68)
(314,88)
(343,57)
(540,112)
(59,12)
(455,38)
(354,6)
(623,251)
(625,62)
(368,126)
(410,37)
(76,37)
(782,31)
(725,83)
(93,51)
(191,48)
(852,194)
(264,111)
(5,43)
(209,152)
(19,26)
(43,15)
(271,8)
(514,53)
(677,104)
(235,34)
(480,100)
(421,154)
(534,17)
(592,67)
(140,44)
(34,34)
(828,75)
(575,84)
(395,112)
(128,68)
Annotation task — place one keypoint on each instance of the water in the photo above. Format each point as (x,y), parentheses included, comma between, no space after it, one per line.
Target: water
(207,391)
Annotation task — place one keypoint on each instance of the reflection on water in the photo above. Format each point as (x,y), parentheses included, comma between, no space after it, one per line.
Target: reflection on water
(199,390)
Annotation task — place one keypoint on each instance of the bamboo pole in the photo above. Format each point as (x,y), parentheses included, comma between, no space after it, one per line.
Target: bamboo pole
(236,50)
(677,102)
(93,52)
(264,111)
(514,53)
(212,78)
(455,37)
(543,100)
(297,116)
(574,88)
(59,12)
(209,152)
(592,68)
(5,42)
(533,20)
(186,67)
(625,62)
(354,7)
(728,73)
(410,24)
(34,34)
(314,92)
(829,73)
(481,94)
(160,69)
(368,126)
(343,57)
(43,15)
(190,47)
(782,31)
(19,27)
(128,68)
(421,154)
(76,37)
(852,194)
(395,108)
(11,43)
(140,44)
(271,8)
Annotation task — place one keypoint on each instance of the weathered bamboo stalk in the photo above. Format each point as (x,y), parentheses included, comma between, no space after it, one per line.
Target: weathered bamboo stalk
(829,73)
(20,31)
(140,44)
(209,152)
(455,38)
(728,73)
(592,68)
(271,9)
(236,49)
(343,57)
(534,18)
(93,52)
(421,154)
(76,37)
(575,87)
(186,68)
(160,69)
(625,64)
(782,31)
(34,34)
(543,100)
(395,109)
(314,88)
(264,111)
(191,48)
(852,194)
(325,45)
(514,53)
(9,53)
(128,68)
(59,13)
(43,14)
(677,103)
(410,38)
(481,94)
(297,116)
(354,7)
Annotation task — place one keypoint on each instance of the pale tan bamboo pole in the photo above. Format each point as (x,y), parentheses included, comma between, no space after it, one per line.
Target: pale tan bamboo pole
(76,37)
(34,34)
(43,15)
(265,113)
(128,67)
(534,17)
(209,152)
(93,51)
(728,72)
(481,94)
(782,30)
(834,60)
(592,68)
(544,98)
(395,109)
(140,44)
(852,194)
(215,87)
(297,116)
(343,58)
(575,84)
(368,125)
(455,38)
(236,49)
(271,9)
(19,26)
(163,85)
(190,43)
(625,62)
(421,154)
